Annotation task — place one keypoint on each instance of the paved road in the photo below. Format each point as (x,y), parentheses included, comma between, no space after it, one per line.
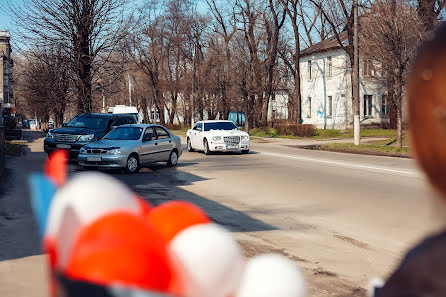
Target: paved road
(343,218)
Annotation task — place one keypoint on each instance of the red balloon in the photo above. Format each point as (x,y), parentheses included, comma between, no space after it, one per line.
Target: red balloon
(56,167)
(121,248)
(144,205)
(172,217)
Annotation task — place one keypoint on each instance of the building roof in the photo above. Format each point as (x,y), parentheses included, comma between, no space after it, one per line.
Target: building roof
(325,45)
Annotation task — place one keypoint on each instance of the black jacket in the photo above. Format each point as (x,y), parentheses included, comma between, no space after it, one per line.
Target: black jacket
(421,273)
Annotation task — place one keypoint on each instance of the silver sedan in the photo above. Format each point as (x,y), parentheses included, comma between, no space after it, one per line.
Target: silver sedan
(131,146)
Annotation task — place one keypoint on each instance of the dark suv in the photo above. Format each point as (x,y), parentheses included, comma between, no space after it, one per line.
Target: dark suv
(83,129)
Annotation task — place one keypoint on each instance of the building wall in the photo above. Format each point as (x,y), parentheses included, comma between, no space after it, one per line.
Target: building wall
(6,77)
(331,85)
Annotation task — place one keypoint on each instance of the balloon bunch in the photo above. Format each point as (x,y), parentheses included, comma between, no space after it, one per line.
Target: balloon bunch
(104,240)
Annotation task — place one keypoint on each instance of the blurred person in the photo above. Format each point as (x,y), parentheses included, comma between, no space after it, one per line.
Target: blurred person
(423,270)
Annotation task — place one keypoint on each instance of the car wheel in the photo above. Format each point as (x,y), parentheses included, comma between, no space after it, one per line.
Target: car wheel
(189,145)
(245,151)
(132,165)
(173,159)
(207,151)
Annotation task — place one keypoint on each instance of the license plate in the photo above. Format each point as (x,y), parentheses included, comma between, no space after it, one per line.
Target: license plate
(63,146)
(94,159)
(230,147)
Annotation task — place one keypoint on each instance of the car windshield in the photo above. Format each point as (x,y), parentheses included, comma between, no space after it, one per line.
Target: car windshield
(87,121)
(124,133)
(219,126)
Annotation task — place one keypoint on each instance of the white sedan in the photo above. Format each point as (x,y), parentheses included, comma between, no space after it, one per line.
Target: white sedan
(213,136)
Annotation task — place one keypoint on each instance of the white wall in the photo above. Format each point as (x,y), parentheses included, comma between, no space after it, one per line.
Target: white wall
(320,86)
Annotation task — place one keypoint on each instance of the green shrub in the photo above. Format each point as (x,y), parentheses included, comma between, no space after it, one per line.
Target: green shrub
(303,130)
(272,132)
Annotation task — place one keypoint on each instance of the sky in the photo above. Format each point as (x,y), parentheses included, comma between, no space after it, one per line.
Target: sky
(5,19)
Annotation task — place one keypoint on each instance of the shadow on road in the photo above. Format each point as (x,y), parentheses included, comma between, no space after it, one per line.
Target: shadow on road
(156,183)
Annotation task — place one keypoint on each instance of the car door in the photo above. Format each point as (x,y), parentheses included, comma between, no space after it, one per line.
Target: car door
(149,146)
(196,135)
(165,144)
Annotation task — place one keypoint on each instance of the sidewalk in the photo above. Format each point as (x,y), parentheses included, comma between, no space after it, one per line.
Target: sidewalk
(22,267)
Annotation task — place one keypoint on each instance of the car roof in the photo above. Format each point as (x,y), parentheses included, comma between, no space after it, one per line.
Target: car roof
(142,125)
(107,115)
(215,121)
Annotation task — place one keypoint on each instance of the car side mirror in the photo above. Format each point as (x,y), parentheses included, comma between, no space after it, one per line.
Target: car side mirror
(147,137)
(64,124)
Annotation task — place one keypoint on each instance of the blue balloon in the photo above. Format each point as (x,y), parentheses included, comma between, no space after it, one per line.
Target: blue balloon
(42,192)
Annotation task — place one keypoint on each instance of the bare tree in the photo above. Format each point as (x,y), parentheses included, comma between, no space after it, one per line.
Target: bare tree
(391,33)
(294,12)
(89,30)
(339,16)
(45,84)
(225,28)
(429,11)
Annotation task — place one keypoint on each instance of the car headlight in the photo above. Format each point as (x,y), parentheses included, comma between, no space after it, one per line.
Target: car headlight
(88,137)
(115,151)
(245,138)
(50,135)
(216,138)
(83,150)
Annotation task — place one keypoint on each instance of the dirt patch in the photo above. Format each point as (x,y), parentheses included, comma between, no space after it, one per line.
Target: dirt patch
(320,282)
(352,241)
(320,271)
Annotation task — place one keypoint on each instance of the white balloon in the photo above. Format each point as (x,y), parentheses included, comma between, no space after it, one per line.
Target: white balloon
(211,260)
(87,196)
(272,275)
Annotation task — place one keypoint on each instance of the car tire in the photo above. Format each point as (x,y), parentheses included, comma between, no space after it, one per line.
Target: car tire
(245,152)
(206,149)
(189,145)
(173,159)
(132,164)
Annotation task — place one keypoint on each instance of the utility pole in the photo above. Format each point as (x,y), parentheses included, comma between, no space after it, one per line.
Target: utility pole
(356,119)
(130,89)
(193,89)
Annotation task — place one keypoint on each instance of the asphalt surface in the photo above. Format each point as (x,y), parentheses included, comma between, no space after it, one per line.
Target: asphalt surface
(343,218)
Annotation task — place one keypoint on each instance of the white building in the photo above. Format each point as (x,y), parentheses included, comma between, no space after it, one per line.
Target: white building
(326,88)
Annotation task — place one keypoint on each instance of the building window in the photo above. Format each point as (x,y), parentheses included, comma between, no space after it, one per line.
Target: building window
(368,70)
(329,67)
(368,105)
(309,107)
(384,106)
(329,106)
(309,69)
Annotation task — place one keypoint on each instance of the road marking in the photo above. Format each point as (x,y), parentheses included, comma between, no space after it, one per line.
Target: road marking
(344,164)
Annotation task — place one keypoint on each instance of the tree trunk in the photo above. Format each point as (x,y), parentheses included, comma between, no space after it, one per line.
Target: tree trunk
(399,130)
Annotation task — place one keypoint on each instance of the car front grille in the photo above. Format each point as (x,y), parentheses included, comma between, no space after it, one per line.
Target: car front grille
(231,140)
(65,137)
(97,151)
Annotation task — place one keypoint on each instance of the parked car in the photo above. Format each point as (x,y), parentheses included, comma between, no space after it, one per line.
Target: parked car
(131,146)
(209,136)
(124,109)
(82,130)
(50,124)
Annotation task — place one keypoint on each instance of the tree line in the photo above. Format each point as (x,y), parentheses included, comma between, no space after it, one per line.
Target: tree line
(202,60)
